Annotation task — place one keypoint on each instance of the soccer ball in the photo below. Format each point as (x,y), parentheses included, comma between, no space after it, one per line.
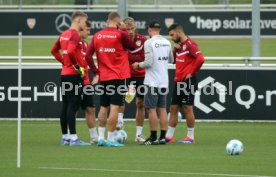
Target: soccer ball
(179,116)
(234,147)
(120,136)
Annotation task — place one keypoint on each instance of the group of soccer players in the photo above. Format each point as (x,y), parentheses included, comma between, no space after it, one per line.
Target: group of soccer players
(123,60)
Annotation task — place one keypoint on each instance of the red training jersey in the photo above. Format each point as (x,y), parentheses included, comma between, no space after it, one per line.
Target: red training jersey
(137,55)
(110,45)
(188,60)
(68,42)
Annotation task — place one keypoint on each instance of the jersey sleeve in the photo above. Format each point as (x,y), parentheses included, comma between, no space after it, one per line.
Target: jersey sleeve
(127,42)
(138,56)
(89,57)
(196,53)
(148,56)
(197,65)
(55,51)
(193,49)
(72,46)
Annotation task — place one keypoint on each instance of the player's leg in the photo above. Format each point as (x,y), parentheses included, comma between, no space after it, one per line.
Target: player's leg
(162,104)
(172,123)
(63,119)
(140,116)
(91,123)
(102,119)
(102,115)
(153,123)
(140,110)
(120,122)
(112,121)
(189,112)
(74,101)
(190,120)
(174,109)
(151,99)
(89,107)
(63,123)
(116,100)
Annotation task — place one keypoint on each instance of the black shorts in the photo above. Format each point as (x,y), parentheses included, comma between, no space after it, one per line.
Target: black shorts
(73,94)
(138,82)
(184,92)
(87,99)
(113,92)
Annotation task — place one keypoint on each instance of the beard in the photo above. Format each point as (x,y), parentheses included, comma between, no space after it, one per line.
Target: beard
(178,40)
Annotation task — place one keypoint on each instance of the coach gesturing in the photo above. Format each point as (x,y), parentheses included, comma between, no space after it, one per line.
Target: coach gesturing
(157,54)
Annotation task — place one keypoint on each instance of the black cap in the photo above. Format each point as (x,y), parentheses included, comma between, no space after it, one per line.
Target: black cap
(154,24)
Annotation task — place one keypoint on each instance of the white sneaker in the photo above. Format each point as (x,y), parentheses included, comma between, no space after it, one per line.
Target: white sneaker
(94,140)
(139,139)
(120,126)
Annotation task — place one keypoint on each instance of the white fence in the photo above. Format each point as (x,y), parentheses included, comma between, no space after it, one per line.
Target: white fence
(137,7)
(218,62)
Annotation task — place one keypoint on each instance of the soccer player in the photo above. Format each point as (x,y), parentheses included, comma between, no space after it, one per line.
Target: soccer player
(136,80)
(87,100)
(68,44)
(158,53)
(111,45)
(188,60)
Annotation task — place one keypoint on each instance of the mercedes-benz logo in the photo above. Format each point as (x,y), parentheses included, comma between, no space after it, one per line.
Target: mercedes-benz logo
(63,22)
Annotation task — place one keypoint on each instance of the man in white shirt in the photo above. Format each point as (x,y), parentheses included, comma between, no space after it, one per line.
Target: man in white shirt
(158,53)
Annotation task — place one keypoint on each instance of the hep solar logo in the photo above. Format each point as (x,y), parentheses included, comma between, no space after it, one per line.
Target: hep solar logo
(208,87)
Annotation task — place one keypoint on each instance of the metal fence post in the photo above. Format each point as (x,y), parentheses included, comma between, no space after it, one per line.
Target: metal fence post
(256,31)
(123,8)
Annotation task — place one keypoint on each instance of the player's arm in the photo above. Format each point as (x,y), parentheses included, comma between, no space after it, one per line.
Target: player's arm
(56,51)
(199,58)
(136,56)
(71,49)
(148,56)
(127,42)
(89,58)
(171,56)
(140,55)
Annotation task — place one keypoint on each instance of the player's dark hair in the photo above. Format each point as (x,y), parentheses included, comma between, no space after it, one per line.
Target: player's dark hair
(175,26)
(88,24)
(78,14)
(113,15)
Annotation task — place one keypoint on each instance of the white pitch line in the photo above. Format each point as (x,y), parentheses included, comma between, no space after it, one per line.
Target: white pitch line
(146,171)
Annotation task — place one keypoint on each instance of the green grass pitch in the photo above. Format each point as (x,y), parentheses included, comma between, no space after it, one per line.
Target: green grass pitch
(231,47)
(43,156)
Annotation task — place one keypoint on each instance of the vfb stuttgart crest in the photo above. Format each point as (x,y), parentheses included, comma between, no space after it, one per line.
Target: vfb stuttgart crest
(31,22)
(138,43)
(169,22)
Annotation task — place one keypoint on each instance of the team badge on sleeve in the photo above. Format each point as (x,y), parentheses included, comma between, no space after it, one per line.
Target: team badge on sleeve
(138,43)
(184,47)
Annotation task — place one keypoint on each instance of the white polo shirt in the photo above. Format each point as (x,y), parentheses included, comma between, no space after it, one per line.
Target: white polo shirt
(158,53)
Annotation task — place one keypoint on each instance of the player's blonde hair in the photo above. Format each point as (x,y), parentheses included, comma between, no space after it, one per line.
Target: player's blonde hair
(129,21)
(78,14)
